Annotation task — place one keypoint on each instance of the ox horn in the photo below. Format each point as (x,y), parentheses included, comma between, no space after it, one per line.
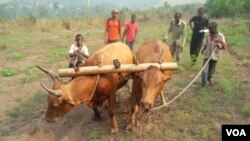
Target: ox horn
(54,76)
(52,92)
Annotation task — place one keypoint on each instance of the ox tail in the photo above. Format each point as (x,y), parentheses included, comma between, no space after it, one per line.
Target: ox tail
(54,76)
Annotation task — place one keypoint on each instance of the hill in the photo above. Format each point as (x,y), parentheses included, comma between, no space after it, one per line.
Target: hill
(78,8)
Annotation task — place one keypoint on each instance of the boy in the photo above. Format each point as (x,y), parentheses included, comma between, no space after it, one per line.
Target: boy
(130,32)
(177,29)
(113,27)
(200,22)
(78,52)
(215,40)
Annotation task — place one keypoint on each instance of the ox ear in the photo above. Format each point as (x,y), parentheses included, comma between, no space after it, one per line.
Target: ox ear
(71,102)
(165,78)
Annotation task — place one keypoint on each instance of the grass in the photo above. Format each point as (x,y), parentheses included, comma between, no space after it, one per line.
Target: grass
(211,105)
(203,102)
(1,90)
(193,117)
(94,135)
(225,116)
(7,73)
(17,39)
(229,82)
(236,34)
(26,108)
(182,117)
(180,82)
(245,110)
(17,56)
(30,75)
(56,54)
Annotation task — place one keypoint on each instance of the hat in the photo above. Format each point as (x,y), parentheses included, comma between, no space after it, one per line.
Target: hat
(114,11)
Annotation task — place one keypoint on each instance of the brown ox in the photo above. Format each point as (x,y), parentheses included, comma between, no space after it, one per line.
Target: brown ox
(149,83)
(65,97)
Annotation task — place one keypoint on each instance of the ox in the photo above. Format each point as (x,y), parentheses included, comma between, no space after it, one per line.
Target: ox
(63,98)
(149,83)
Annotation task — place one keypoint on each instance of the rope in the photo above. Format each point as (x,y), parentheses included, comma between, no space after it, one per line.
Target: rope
(184,90)
(93,92)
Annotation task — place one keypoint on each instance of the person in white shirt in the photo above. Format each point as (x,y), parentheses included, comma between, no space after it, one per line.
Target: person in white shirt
(78,52)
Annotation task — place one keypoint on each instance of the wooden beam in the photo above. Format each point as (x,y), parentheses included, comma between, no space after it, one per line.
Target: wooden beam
(92,70)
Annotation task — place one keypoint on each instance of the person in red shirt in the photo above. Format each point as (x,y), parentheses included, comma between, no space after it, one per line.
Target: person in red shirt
(130,32)
(113,27)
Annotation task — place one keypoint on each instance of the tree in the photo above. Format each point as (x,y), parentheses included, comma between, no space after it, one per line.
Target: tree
(226,8)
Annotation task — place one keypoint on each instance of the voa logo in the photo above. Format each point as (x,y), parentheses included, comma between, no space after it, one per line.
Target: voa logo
(236,132)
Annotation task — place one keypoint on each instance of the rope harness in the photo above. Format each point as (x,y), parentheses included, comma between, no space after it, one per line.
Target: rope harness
(89,101)
(185,89)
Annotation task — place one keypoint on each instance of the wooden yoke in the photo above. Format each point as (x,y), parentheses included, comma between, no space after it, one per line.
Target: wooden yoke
(93,70)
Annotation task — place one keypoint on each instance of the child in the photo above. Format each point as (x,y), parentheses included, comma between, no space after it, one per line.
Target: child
(214,40)
(78,52)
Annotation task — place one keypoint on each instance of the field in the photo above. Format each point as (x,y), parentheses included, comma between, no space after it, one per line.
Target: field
(196,116)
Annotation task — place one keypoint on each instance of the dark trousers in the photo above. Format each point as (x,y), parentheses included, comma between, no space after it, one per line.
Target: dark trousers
(195,46)
(78,64)
(208,72)
(111,41)
(130,45)
(176,50)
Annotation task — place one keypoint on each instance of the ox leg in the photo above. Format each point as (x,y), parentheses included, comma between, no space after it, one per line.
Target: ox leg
(132,117)
(135,98)
(163,98)
(97,113)
(111,111)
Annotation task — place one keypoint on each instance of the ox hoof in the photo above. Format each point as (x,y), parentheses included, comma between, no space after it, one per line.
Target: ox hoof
(114,130)
(129,128)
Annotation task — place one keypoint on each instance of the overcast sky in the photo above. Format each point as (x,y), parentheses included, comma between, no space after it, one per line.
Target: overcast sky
(171,2)
(3,1)
(174,2)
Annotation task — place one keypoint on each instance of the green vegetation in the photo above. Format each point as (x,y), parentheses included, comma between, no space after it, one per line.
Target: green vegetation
(17,56)
(94,135)
(26,108)
(236,34)
(197,115)
(227,8)
(1,90)
(30,74)
(245,110)
(56,54)
(181,82)
(7,73)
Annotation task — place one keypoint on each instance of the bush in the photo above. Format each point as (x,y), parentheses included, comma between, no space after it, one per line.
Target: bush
(66,25)
(226,8)
(2,19)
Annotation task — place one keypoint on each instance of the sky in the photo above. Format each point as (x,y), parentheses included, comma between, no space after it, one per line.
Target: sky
(171,2)
(3,1)
(177,2)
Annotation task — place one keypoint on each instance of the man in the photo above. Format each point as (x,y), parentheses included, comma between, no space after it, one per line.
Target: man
(78,52)
(200,23)
(130,31)
(215,40)
(177,29)
(113,27)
